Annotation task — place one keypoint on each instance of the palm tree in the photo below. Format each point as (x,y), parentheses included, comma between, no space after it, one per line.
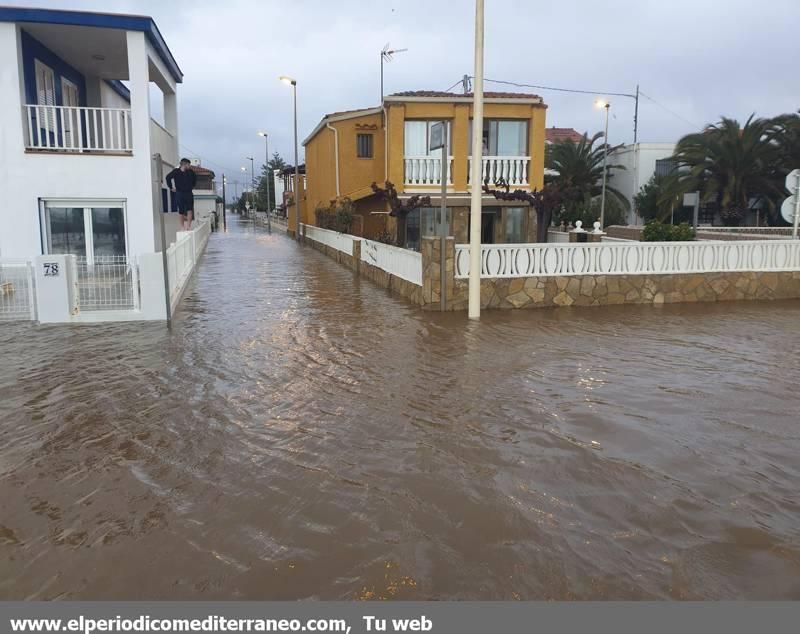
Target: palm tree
(730,164)
(579,167)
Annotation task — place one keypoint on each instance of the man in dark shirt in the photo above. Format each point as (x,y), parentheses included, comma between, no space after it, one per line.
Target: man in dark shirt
(181,181)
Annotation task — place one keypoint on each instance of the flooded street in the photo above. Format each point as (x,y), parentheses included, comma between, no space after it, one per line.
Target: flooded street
(300,433)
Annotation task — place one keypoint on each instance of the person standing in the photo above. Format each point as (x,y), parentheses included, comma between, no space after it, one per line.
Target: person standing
(182,181)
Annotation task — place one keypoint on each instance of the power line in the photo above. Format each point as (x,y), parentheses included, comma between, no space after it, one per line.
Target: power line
(672,112)
(574,90)
(454,85)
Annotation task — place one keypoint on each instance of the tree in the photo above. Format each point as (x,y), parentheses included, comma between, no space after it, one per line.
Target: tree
(275,163)
(731,165)
(657,199)
(545,201)
(578,168)
(397,207)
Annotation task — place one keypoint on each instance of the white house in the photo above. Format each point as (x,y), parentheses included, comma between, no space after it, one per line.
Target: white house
(641,161)
(77,146)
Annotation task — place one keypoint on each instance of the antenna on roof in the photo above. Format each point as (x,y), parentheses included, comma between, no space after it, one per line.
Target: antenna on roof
(386,56)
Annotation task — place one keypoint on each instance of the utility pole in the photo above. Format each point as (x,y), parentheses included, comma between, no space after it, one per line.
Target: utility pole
(477,171)
(636,118)
(168,304)
(224,204)
(268,176)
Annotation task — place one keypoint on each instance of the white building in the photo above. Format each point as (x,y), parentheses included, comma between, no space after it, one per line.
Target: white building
(640,161)
(77,146)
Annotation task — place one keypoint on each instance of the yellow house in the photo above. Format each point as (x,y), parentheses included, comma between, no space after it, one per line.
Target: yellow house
(348,151)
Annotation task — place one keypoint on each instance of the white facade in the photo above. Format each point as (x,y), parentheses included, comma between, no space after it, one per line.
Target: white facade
(78,144)
(639,162)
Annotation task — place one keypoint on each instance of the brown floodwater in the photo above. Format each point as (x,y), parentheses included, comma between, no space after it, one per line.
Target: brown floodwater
(301,433)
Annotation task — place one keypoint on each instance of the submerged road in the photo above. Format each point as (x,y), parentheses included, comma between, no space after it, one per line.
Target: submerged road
(300,433)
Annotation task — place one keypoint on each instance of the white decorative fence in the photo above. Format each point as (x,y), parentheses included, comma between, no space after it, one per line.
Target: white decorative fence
(403,263)
(630,258)
(17,298)
(426,170)
(512,169)
(182,255)
(75,129)
(340,241)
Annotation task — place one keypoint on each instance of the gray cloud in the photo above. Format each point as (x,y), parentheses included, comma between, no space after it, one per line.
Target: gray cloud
(699,58)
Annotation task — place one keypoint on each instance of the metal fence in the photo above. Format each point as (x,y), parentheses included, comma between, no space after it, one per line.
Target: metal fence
(17,301)
(108,282)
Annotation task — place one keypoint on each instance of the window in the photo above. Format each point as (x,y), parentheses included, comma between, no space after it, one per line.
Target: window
(422,223)
(515,225)
(503,138)
(91,228)
(664,167)
(364,145)
(418,136)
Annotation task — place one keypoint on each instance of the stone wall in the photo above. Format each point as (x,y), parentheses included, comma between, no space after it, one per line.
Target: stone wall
(602,290)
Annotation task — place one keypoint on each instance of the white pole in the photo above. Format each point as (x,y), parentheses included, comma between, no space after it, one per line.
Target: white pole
(296,167)
(796,206)
(605,173)
(477,171)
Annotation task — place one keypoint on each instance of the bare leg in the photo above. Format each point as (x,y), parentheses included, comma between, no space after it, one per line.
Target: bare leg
(189,216)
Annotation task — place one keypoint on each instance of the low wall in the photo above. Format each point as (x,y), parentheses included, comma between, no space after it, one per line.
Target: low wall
(364,258)
(603,290)
(726,234)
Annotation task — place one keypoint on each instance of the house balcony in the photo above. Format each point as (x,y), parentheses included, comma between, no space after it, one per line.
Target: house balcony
(72,129)
(426,171)
(512,169)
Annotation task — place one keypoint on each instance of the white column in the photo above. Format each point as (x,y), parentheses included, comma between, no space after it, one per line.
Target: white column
(141,225)
(171,119)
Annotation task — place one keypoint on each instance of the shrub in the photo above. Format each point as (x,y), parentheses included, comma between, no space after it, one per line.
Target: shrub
(655,231)
(338,216)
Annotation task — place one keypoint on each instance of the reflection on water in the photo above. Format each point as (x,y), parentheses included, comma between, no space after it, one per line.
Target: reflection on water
(301,433)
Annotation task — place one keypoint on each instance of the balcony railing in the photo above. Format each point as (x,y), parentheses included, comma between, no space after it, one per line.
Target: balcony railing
(512,169)
(79,129)
(426,170)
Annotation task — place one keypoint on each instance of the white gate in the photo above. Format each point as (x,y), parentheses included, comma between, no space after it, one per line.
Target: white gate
(17,301)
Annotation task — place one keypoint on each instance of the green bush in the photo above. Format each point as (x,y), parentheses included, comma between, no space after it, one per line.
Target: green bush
(655,231)
(336,217)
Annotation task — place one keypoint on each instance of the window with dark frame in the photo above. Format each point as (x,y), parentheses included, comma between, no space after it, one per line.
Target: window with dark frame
(364,146)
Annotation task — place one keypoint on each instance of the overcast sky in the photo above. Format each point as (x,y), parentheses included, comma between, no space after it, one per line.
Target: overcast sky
(697,58)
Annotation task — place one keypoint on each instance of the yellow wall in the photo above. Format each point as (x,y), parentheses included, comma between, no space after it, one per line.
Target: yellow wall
(355,174)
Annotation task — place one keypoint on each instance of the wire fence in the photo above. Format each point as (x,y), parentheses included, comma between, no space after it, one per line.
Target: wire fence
(17,300)
(108,282)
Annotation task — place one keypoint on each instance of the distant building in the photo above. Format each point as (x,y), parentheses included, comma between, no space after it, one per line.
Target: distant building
(640,161)
(558,135)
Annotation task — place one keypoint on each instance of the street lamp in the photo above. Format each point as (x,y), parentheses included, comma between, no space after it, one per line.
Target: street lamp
(600,103)
(268,175)
(293,83)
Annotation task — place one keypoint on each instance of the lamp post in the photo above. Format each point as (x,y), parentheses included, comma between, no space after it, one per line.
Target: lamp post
(604,104)
(293,83)
(268,176)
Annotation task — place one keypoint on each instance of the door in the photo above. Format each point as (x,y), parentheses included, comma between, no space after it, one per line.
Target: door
(69,98)
(65,230)
(487,227)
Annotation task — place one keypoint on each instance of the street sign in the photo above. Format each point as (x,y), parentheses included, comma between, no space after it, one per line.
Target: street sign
(788,207)
(690,200)
(793,180)
(437,136)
